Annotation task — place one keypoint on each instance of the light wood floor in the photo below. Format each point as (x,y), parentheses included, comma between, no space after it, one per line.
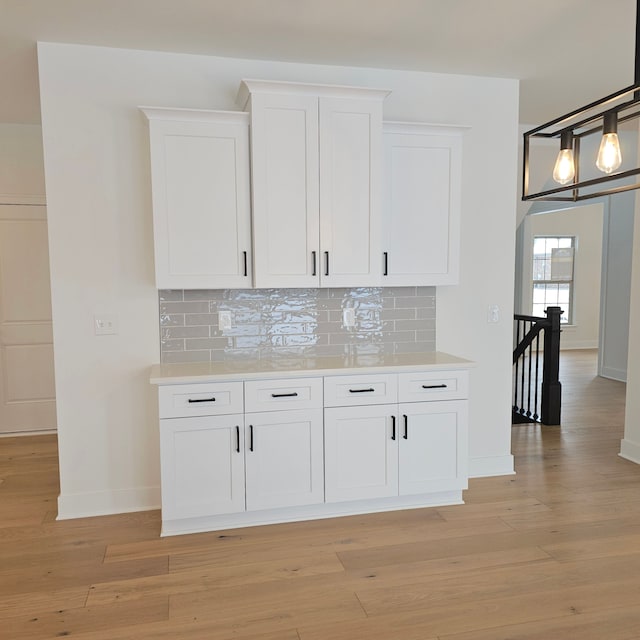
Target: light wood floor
(553,552)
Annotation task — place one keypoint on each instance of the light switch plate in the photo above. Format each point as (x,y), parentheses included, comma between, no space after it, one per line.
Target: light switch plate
(493,314)
(105,324)
(349,317)
(224,320)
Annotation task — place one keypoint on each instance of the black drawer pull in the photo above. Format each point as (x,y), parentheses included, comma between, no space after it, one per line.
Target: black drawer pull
(238,439)
(434,386)
(326,263)
(192,400)
(244,260)
(393,427)
(313,262)
(284,395)
(386,264)
(361,390)
(406,427)
(250,437)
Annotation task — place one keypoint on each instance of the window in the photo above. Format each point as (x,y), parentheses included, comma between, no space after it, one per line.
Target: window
(553,275)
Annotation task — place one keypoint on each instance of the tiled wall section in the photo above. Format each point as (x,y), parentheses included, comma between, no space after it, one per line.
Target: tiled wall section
(284,322)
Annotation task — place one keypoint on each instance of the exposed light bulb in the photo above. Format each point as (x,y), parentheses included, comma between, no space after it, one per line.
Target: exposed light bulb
(564,170)
(609,154)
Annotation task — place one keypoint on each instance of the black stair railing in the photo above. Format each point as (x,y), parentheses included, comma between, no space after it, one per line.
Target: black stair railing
(537,392)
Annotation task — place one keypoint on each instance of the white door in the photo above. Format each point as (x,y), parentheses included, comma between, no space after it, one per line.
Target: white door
(284,458)
(27,389)
(202,463)
(201,198)
(361,452)
(433,446)
(284,159)
(350,191)
(421,212)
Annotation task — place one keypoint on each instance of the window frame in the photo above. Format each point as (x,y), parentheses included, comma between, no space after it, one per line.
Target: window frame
(570,312)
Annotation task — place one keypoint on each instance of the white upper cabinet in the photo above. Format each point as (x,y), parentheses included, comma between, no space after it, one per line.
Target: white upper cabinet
(201,198)
(421,214)
(316,192)
(285,169)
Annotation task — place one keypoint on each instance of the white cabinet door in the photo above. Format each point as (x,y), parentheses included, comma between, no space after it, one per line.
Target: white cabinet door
(316,158)
(361,452)
(202,466)
(350,191)
(284,157)
(421,212)
(201,198)
(433,446)
(284,459)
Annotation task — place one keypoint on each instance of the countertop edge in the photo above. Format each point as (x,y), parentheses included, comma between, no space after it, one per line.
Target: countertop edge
(161,375)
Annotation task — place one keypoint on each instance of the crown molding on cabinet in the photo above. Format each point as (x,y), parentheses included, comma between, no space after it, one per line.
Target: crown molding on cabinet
(248,86)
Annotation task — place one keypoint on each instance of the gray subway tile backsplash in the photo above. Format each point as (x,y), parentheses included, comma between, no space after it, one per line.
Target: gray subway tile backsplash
(268,323)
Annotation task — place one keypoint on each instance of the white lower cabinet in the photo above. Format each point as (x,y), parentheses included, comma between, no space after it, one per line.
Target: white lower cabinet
(361,453)
(432,446)
(284,461)
(380,451)
(241,453)
(202,466)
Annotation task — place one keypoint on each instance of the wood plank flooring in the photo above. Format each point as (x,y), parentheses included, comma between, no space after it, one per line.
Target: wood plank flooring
(552,552)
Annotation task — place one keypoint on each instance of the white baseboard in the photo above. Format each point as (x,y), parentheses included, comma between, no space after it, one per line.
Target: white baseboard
(19,434)
(615,374)
(569,345)
(22,199)
(630,451)
(308,512)
(491,466)
(104,503)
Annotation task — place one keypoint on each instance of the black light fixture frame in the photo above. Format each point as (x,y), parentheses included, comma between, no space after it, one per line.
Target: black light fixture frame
(617,107)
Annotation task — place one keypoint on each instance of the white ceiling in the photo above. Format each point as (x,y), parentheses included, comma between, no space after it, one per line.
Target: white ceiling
(565,52)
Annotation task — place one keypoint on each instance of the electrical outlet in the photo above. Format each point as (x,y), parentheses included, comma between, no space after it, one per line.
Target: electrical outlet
(224,320)
(493,314)
(349,317)
(105,324)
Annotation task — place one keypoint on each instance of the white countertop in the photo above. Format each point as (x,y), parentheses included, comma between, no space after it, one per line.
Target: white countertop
(194,372)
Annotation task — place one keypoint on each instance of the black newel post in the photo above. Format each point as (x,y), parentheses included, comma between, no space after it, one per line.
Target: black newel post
(551,387)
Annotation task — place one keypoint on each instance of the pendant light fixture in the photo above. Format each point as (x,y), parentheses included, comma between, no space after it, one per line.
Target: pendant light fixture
(588,144)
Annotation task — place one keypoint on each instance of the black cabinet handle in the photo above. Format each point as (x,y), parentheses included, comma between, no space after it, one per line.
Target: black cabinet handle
(238,439)
(326,263)
(193,400)
(361,390)
(393,427)
(406,427)
(313,263)
(250,437)
(284,395)
(244,259)
(386,264)
(434,386)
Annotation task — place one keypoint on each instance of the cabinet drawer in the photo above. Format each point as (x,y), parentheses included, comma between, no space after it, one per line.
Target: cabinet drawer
(343,391)
(276,395)
(433,385)
(206,399)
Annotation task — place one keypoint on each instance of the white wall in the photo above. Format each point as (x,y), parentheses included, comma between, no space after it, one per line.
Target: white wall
(102,257)
(615,329)
(584,222)
(630,445)
(21,164)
